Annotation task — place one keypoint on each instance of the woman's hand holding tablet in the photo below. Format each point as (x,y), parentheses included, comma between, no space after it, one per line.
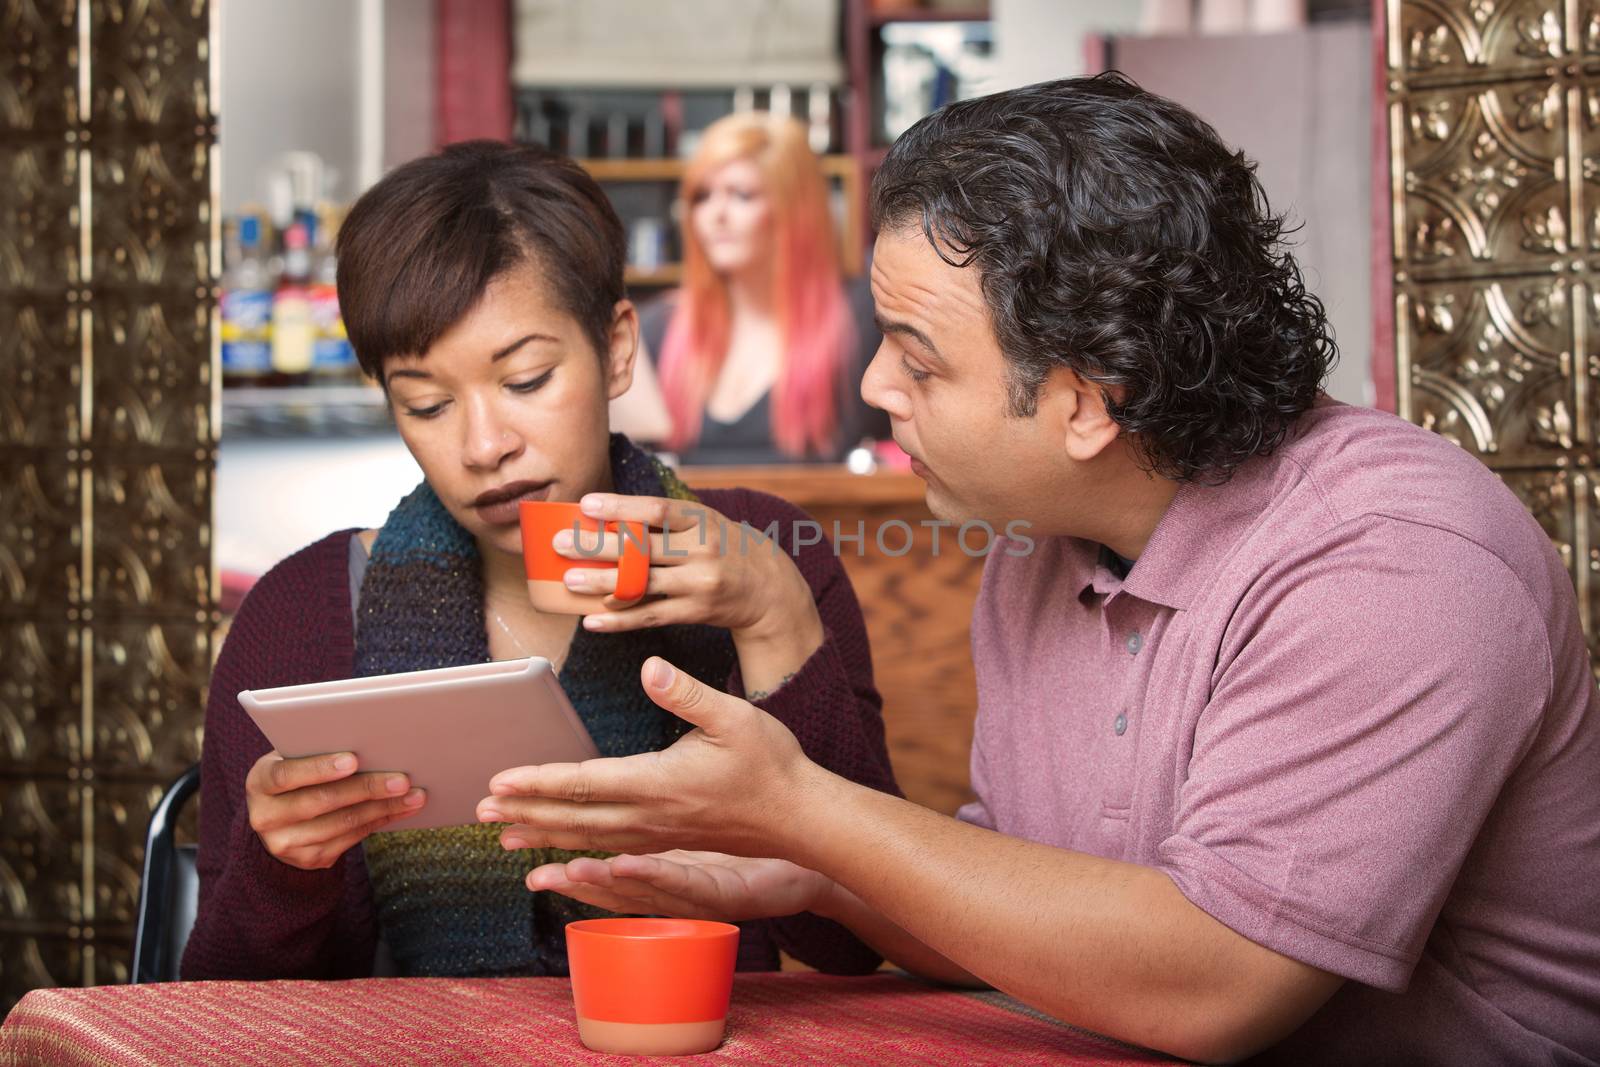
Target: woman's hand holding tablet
(398,751)
(310,810)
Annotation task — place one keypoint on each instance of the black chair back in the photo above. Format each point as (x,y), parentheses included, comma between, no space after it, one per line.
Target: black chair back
(169,892)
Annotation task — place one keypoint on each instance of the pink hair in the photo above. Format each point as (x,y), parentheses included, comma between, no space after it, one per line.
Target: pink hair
(814,321)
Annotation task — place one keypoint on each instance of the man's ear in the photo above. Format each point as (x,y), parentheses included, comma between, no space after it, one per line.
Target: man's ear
(624,348)
(1077,410)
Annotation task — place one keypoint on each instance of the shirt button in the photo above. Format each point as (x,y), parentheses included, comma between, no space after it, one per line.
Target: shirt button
(1121,725)
(1135,643)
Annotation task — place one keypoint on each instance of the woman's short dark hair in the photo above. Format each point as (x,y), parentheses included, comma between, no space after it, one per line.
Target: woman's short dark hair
(419,248)
(1116,235)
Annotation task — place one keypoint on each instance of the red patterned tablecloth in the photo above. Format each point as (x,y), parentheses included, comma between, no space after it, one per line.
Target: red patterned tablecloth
(776,1019)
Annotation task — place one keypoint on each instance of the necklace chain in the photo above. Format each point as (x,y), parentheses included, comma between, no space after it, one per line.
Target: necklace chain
(507,631)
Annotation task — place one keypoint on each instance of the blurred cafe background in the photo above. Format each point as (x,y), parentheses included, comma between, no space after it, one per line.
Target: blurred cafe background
(180,408)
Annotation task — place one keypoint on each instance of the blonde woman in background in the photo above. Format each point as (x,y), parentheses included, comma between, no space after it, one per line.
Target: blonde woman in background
(759,354)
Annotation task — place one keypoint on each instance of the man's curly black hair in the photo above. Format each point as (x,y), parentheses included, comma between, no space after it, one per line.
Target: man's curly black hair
(1116,235)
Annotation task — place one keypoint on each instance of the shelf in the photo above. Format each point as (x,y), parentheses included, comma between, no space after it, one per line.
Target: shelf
(843,168)
(927,14)
(255,397)
(663,169)
(342,410)
(668,274)
(633,170)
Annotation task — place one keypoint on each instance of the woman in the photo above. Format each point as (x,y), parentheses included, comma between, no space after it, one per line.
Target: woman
(760,353)
(483,288)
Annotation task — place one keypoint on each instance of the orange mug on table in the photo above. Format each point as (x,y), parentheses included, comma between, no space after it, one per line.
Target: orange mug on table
(651,987)
(541,521)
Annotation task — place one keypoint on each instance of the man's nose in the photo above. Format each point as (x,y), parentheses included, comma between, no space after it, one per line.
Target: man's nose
(879,390)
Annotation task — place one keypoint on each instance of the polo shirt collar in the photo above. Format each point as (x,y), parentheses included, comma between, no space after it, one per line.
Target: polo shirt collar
(1200,530)
(1094,561)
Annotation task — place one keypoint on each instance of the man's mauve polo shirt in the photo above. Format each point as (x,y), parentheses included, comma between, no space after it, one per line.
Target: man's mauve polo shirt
(1344,701)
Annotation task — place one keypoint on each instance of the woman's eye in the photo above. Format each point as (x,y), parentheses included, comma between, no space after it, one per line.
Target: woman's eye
(425,413)
(531,384)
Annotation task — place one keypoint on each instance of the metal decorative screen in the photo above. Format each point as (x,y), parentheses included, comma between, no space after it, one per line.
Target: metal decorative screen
(108,418)
(1494,150)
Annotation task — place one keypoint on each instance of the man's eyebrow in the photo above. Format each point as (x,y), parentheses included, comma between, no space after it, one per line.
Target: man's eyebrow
(417,372)
(905,329)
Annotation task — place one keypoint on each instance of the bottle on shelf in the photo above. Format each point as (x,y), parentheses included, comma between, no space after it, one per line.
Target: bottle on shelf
(293,332)
(246,306)
(332,357)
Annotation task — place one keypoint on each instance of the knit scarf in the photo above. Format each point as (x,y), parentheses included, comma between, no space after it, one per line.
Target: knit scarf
(451,901)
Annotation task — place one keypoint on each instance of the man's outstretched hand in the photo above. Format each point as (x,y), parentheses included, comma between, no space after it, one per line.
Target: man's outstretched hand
(688,885)
(727,786)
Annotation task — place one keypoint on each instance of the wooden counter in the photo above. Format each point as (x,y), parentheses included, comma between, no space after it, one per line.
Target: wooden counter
(918,609)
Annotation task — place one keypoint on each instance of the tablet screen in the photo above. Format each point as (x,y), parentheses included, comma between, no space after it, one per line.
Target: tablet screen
(450,729)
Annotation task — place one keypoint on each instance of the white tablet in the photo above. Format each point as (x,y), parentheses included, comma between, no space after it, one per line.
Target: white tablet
(450,729)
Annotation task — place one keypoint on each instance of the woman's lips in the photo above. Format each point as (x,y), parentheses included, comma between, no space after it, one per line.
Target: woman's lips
(505,512)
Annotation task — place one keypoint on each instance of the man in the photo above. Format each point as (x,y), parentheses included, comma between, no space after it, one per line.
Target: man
(1287,740)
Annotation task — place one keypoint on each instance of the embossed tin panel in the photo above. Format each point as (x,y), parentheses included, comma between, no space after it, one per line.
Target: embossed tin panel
(108,274)
(1494,157)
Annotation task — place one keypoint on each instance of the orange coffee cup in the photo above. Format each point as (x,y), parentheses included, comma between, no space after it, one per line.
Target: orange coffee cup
(541,521)
(651,987)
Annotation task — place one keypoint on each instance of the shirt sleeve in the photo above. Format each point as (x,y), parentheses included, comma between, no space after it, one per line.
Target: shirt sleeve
(257,916)
(1370,698)
(833,707)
